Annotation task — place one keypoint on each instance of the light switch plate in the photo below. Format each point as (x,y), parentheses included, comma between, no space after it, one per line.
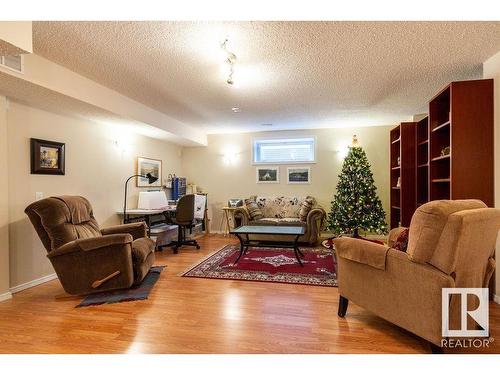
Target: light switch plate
(38,195)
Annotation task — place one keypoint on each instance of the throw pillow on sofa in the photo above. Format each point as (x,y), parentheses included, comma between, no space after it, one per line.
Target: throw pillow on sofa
(306,206)
(253,209)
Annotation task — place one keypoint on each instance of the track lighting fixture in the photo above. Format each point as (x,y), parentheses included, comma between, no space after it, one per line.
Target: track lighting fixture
(230,61)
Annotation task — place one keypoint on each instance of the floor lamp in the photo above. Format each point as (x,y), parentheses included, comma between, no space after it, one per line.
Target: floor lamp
(150,178)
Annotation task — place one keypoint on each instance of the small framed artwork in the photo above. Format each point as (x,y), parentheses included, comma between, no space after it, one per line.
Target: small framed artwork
(47,157)
(268,175)
(298,175)
(145,166)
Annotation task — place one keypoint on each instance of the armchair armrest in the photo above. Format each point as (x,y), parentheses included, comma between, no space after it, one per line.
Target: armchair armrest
(393,235)
(94,243)
(242,213)
(361,251)
(136,230)
(316,213)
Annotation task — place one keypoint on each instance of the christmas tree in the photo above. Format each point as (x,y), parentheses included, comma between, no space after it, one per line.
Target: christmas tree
(356,205)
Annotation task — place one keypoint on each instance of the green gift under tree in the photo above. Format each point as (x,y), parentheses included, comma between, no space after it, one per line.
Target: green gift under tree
(356,205)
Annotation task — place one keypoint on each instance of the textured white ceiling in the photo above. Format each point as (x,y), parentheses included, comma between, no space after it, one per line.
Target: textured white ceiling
(290,74)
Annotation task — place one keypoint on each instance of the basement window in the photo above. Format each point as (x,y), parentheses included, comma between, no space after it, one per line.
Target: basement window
(15,63)
(284,150)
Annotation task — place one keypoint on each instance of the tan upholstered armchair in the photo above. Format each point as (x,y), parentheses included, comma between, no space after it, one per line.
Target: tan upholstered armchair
(85,258)
(451,244)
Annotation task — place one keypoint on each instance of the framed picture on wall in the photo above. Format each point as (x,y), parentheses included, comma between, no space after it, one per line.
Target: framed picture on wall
(298,175)
(47,157)
(268,175)
(147,165)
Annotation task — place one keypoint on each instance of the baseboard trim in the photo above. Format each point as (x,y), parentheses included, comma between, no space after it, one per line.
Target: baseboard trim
(5,296)
(31,284)
(496,299)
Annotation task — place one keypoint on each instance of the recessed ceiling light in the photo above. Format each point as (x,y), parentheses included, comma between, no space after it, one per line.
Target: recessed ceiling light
(236,109)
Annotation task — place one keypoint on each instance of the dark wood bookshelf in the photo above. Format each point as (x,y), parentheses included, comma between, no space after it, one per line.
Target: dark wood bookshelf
(461,118)
(422,160)
(403,198)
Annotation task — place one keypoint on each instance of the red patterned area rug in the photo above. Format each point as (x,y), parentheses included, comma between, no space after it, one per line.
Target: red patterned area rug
(277,265)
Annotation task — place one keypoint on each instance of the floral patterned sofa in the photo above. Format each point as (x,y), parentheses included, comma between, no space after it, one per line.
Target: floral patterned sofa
(289,211)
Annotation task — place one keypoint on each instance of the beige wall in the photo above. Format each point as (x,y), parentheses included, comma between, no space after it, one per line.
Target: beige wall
(98,160)
(491,69)
(4,200)
(17,33)
(207,167)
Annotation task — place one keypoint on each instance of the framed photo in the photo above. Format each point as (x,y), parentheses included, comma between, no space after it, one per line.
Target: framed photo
(47,157)
(298,175)
(146,165)
(268,175)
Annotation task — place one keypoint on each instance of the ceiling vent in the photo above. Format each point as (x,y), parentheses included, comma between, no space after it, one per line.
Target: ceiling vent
(15,63)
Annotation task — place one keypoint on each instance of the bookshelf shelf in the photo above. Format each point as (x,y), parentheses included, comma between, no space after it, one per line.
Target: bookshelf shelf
(442,157)
(442,126)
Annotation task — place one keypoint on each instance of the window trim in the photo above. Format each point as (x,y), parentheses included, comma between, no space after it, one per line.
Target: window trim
(3,66)
(291,162)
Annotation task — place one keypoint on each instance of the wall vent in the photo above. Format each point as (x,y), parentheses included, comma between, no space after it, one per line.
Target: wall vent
(15,63)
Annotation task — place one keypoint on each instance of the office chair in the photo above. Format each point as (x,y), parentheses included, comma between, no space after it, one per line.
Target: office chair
(185,219)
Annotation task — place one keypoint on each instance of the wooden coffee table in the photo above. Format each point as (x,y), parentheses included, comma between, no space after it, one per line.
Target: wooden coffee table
(244,231)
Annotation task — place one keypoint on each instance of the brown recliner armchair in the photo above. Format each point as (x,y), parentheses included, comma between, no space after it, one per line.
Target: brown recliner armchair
(451,245)
(85,258)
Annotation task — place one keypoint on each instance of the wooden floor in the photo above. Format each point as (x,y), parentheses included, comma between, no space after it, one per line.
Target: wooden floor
(190,315)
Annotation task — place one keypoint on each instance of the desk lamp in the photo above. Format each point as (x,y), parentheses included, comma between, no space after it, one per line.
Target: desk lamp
(150,178)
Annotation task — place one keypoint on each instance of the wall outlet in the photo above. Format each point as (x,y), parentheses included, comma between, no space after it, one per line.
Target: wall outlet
(38,195)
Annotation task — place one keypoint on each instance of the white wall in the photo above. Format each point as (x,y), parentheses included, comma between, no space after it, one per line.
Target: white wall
(491,69)
(96,167)
(206,167)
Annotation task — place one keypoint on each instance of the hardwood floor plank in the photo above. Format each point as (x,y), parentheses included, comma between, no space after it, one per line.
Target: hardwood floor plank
(192,315)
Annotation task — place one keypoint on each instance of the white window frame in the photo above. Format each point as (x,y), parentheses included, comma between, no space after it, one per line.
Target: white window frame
(289,162)
(3,66)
